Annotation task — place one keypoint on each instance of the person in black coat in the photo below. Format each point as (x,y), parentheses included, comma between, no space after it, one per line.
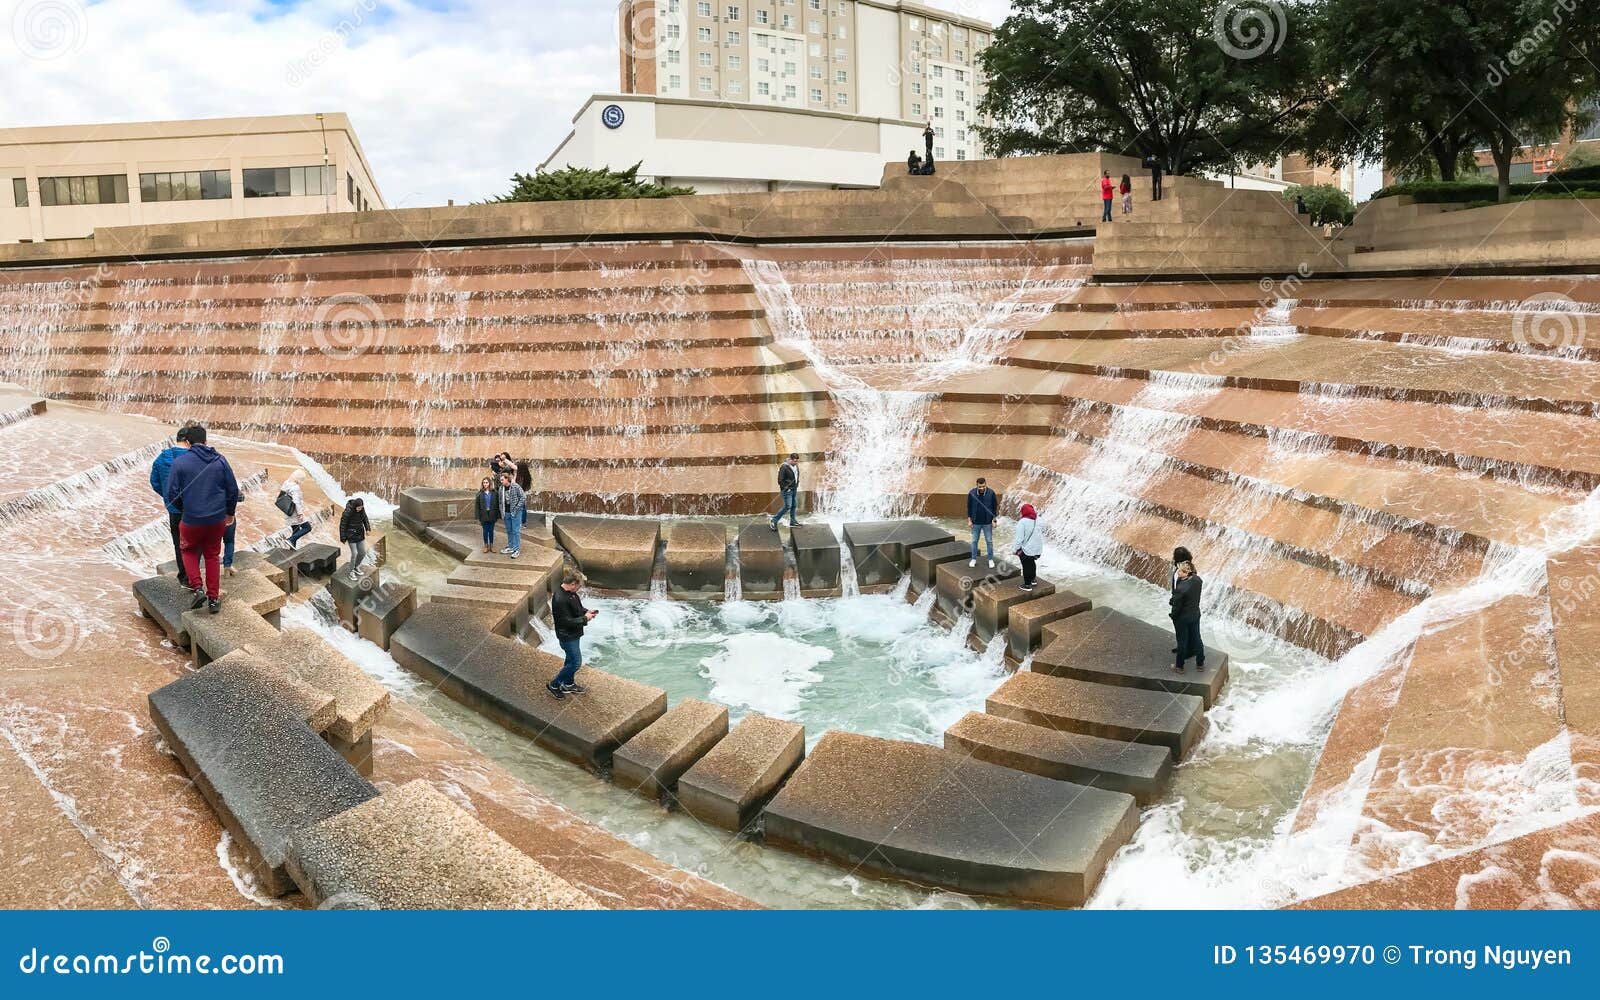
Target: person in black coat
(569,616)
(353,528)
(487,504)
(913,163)
(1186,617)
(788,491)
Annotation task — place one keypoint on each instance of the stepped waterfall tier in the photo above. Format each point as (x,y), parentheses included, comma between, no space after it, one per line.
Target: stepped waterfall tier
(1389,484)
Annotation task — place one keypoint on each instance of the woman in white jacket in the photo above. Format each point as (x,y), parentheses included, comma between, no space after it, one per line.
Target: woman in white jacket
(1029,544)
(299,523)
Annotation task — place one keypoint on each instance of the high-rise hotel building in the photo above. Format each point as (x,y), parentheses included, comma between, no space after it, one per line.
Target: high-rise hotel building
(768,94)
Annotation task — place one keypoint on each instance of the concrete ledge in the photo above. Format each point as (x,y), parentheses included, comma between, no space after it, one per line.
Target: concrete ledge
(761,562)
(428,505)
(728,785)
(1138,769)
(1026,622)
(958,585)
(939,817)
(614,553)
(1133,715)
(316,708)
(164,601)
(697,559)
(303,655)
(412,848)
(1109,647)
(881,550)
(925,561)
(264,772)
(816,560)
(347,592)
(652,762)
(235,626)
(505,680)
(511,605)
(314,559)
(993,602)
(383,611)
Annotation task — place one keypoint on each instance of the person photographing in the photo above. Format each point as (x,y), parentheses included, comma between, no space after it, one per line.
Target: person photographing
(569,616)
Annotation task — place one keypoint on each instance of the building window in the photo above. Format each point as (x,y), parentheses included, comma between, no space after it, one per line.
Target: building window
(840,76)
(98,189)
(350,185)
(939,152)
(814,4)
(814,71)
(283,182)
(937,93)
(192,185)
(842,100)
(735,38)
(736,62)
(938,72)
(788,21)
(674,57)
(763,41)
(705,85)
(704,34)
(916,45)
(961,154)
(789,92)
(735,87)
(915,24)
(839,54)
(763,17)
(961,95)
(733,13)
(763,88)
(19,191)
(674,81)
(764,65)
(816,95)
(814,26)
(916,88)
(961,135)
(916,111)
(705,59)
(961,115)
(673,31)
(703,8)
(789,69)
(961,76)
(816,50)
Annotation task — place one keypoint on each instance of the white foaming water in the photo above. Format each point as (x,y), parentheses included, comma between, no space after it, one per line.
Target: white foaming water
(765,673)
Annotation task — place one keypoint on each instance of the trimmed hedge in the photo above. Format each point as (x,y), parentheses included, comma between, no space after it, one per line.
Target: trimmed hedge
(1471,191)
(1570,174)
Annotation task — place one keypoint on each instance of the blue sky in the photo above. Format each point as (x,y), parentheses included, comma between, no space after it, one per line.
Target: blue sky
(449,97)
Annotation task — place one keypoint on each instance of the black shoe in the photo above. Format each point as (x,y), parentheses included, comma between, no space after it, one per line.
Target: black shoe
(555,692)
(1174,650)
(1199,666)
(794,524)
(773,526)
(213,606)
(199,599)
(1178,667)
(573,688)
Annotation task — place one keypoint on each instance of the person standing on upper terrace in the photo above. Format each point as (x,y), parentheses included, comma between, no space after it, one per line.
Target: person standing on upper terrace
(160,469)
(487,504)
(513,502)
(1108,190)
(202,486)
(927,141)
(983,510)
(788,491)
(1126,187)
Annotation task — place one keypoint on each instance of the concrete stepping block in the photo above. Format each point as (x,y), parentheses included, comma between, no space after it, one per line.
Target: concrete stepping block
(348,591)
(761,562)
(993,602)
(939,817)
(652,762)
(430,504)
(505,680)
(383,611)
(530,582)
(1159,718)
(615,553)
(1109,647)
(234,626)
(317,559)
(512,604)
(728,785)
(925,561)
(164,601)
(958,585)
(413,848)
(304,655)
(1026,621)
(243,559)
(816,560)
(881,550)
(287,573)
(538,568)
(457,539)
(252,588)
(316,708)
(697,558)
(264,772)
(1138,769)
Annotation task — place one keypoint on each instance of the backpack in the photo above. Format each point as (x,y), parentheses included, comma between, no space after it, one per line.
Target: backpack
(284,503)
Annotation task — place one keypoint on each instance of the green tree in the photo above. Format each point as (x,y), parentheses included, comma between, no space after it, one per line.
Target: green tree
(1441,78)
(585,184)
(1196,83)
(1326,204)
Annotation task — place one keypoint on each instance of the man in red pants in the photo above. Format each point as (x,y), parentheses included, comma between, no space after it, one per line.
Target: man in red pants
(202,486)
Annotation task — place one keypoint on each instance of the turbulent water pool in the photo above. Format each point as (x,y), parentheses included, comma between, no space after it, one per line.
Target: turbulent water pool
(875,664)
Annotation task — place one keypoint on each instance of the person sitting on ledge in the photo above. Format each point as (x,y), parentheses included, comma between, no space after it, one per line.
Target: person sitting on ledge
(569,616)
(913,163)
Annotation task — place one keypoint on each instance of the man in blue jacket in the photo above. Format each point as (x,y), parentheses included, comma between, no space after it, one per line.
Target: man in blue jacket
(202,486)
(159,470)
(983,509)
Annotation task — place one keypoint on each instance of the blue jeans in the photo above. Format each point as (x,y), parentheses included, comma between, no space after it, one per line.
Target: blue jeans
(569,669)
(298,532)
(227,545)
(513,532)
(488,532)
(788,508)
(987,531)
(1106,216)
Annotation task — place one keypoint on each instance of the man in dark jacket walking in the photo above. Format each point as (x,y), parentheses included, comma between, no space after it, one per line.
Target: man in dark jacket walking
(983,509)
(570,616)
(202,486)
(1186,617)
(788,489)
(160,469)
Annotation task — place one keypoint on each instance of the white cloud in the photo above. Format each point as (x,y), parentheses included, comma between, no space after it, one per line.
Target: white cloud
(448,98)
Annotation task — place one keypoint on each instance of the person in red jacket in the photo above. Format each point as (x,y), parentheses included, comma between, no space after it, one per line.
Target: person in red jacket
(1108,190)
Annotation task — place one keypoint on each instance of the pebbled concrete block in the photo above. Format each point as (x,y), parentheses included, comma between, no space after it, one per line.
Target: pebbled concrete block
(729,784)
(652,762)
(1139,769)
(881,550)
(384,610)
(697,559)
(615,553)
(816,560)
(925,561)
(1159,718)
(761,562)
(1108,647)
(1026,622)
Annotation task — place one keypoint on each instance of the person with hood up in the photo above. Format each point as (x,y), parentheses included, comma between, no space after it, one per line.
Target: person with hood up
(202,486)
(160,469)
(353,528)
(1029,544)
